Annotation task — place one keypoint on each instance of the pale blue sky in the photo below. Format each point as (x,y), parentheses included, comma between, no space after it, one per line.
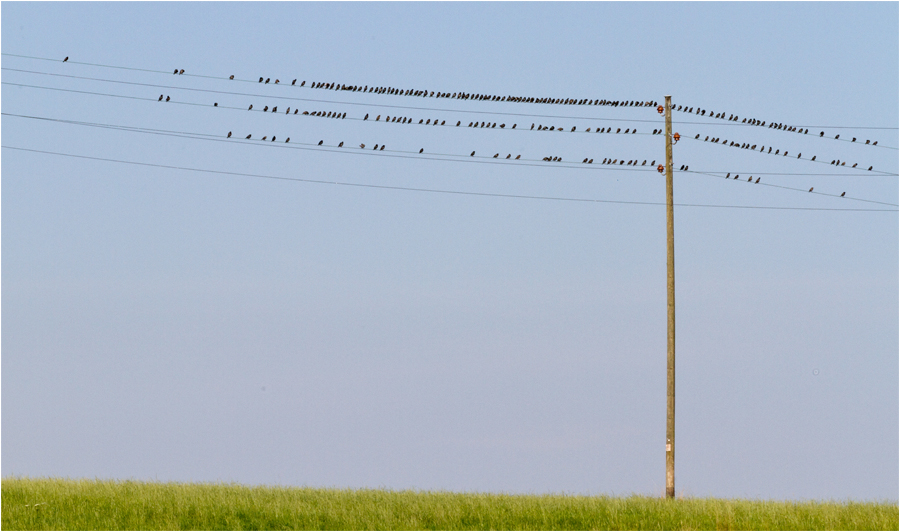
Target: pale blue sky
(173,325)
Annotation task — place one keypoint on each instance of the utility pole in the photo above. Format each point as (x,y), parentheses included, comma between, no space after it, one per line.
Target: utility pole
(670,275)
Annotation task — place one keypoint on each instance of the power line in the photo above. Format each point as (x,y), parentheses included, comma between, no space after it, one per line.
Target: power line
(391,153)
(436,191)
(564,101)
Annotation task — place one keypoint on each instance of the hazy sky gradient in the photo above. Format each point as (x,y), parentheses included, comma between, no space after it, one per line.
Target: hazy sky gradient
(162,324)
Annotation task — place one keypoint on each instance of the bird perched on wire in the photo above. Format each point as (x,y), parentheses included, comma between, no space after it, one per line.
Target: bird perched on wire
(66,59)
(231,76)
(837,137)
(287,140)
(870,168)
(810,189)
(176,71)
(248,136)
(382,148)
(167,98)
(366,117)
(375,148)
(421,150)
(274,108)
(229,135)
(260,80)
(265,137)
(181,71)
(341,145)
(473,155)
(496,155)
(320,142)
(160,98)
(842,194)
(518,156)
(303,83)
(266,108)
(250,108)
(508,156)
(273,138)
(821,133)
(276,81)
(757,180)
(267,80)
(362,146)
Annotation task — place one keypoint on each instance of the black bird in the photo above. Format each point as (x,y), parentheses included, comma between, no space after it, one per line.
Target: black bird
(362,146)
(573,129)
(591,161)
(757,180)
(266,108)
(296,111)
(267,79)
(366,117)
(813,158)
(837,137)
(302,83)
(216,104)
(458,123)
(798,155)
(229,135)
(618,130)
(260,80)
(375,148)
(854,139)
(274,108)
(517,157)
(810,189)
(341,145)
(288,111)
(532,126)
(737,176)
(508,156)
(66,59)
(514,126)
(181,71)
(382,148)
(167,98)
(264,138)
(248,136)
(821,133)
(276,81)
(854,165)
(682,167)
(870,168)
(697,137)
(273,138)
(421,150)
(875,143)
(160,97)
(727,175)
(842,194)
(231,77)
(585,160)
(320,142)
(289,139)
(473,155)
(176,71)
(251,107)
(867,142)
(496,155)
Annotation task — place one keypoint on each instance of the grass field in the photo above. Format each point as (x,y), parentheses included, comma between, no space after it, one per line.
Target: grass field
(58,504)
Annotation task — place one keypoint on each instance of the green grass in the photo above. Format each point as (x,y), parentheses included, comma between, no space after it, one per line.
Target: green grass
(58,504)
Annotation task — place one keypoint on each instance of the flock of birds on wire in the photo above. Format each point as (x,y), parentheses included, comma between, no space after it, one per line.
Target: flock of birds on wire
(540,127)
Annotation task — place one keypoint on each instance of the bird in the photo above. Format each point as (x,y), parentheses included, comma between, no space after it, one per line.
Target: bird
(473,155)
(264,138)
(514,126)
(737,176)
(273,138)
(813,158)
(757,180)
(366,117)
(362,146)
(821,133)
(532,126)
(518,156)
(341,145)
(266,108)
(573,129)
(320,142)
(585,160)
(66,59)
(296,111)
(160,97)
(303,83)
(798,155)
(288,111)
(375,148)
(260,80)
(267,79)
(458,122)
(229,135)
(176,71)
(382,148)
(854,139)
(875,143)
(289,139)
(810,189)
(727,175)
(274,108)
(276,81)
(421,150)
(168,98)
(181,71)
(508,156)
(870,168)
(216,104)
(837,137)
(867,142)
(231,76)
(842,194)
(854,165)
(591,161)
(248,136)
(250,108)
(378,118)
(496,155)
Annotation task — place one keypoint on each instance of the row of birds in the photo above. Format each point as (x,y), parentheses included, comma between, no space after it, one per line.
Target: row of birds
(762,149)
(754,122)
(750,180)
(608,161)
(463,95)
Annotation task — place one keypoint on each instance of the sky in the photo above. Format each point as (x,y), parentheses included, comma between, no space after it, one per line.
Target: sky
(286,313)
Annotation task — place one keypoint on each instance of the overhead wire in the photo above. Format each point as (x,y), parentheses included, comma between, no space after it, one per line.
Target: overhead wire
(437,191)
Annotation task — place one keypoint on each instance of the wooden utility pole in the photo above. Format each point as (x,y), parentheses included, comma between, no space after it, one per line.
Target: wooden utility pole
(670,275)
